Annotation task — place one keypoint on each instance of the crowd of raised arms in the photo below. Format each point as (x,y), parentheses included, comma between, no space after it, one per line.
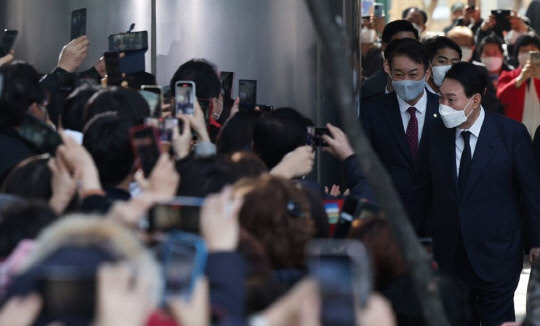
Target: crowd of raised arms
(126,203)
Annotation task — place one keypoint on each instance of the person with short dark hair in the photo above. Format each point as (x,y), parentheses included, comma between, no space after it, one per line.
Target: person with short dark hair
(519,89)
(22,94)
(417,17)
(491,54)
(476,184)
(72,114)
(395,122)
(127,103)
(107,141)
(208,90)
(443,53)
(375,85)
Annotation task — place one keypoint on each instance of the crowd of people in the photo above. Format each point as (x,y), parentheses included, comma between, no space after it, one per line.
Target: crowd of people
(454,119)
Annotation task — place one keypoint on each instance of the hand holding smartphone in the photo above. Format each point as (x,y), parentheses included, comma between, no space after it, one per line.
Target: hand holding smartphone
(183,259)
(78,23)
(144,140)
(185,97)
(8,39)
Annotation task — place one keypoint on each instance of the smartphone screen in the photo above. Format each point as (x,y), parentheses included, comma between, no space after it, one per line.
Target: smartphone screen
(378,9)
(315,134)
(535,58)
(227,78)
(247,92)
(153,100)
(341,268)
(156,90)
(78,23)
(132,41)
(112,65)
(145,146)
(182,213)
(68,291)
(184,259)
(348,213)
(185,97)
(7,41)
(501,16)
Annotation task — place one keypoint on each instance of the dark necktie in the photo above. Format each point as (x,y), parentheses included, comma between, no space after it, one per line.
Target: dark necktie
(412,133)
(465,163)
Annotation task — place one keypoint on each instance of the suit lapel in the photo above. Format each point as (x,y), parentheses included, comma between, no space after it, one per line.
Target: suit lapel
(393,115)
(447,152)
(432,112)
(483,152)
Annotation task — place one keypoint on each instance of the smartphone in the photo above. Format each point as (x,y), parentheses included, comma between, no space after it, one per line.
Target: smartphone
(164,126)
(185,97)
(78,23)
(144,140)
(126,42)
(314,136)
(247,92)
(68,291)
(226,78)
(265,108)
(156,90)
(332,208)
(181,213)
(535,58)
(183,259)
(341,268)
(112,66)
(8,39)
(349,211)
(378,10)
(153,100)
(501,16)
(40,134)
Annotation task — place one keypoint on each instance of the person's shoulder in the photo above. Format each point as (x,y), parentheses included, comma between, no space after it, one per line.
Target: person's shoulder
(379,102)
(504,122)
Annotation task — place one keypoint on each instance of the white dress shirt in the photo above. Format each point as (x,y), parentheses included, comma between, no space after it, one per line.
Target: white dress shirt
(531,109)
(475,133)
(421,107)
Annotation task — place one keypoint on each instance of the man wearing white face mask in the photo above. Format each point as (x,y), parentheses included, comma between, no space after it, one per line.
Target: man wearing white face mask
(443,53)
(395,122)
(476,185)
(519,89)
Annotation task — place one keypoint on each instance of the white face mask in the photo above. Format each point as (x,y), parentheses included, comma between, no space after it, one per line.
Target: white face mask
(367,35)
(453,118)
(418,28)
(492,63)
(511,37)
(523,57)
(466,54)
(439,72)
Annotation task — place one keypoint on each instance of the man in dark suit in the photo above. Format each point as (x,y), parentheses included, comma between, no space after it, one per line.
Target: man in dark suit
(478,183)
(375,85)
(395,122)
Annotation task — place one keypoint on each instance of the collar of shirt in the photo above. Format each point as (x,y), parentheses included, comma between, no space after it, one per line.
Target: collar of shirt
(420,105)
(477,125)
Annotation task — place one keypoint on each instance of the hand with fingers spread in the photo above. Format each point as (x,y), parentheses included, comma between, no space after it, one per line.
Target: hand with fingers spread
(181,142)
(122,297)
(73,54)
(296,163)
(196,311)
(338,144)
(163,180)
(21,311)
(220,226)
(79,162)
(7,58)
(63,184)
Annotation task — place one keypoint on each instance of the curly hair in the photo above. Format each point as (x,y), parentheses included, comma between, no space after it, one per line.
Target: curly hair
(277,214)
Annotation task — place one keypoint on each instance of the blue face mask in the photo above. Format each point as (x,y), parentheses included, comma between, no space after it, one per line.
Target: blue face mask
(408,89)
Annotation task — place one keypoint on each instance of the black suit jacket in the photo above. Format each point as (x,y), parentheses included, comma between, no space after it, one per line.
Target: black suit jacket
(501,197)
(382,123)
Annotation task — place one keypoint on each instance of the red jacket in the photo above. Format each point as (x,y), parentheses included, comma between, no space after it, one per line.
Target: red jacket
(512,97)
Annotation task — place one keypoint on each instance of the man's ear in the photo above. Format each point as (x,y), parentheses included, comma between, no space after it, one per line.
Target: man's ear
(386,66)
(428,73)
(477,99)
